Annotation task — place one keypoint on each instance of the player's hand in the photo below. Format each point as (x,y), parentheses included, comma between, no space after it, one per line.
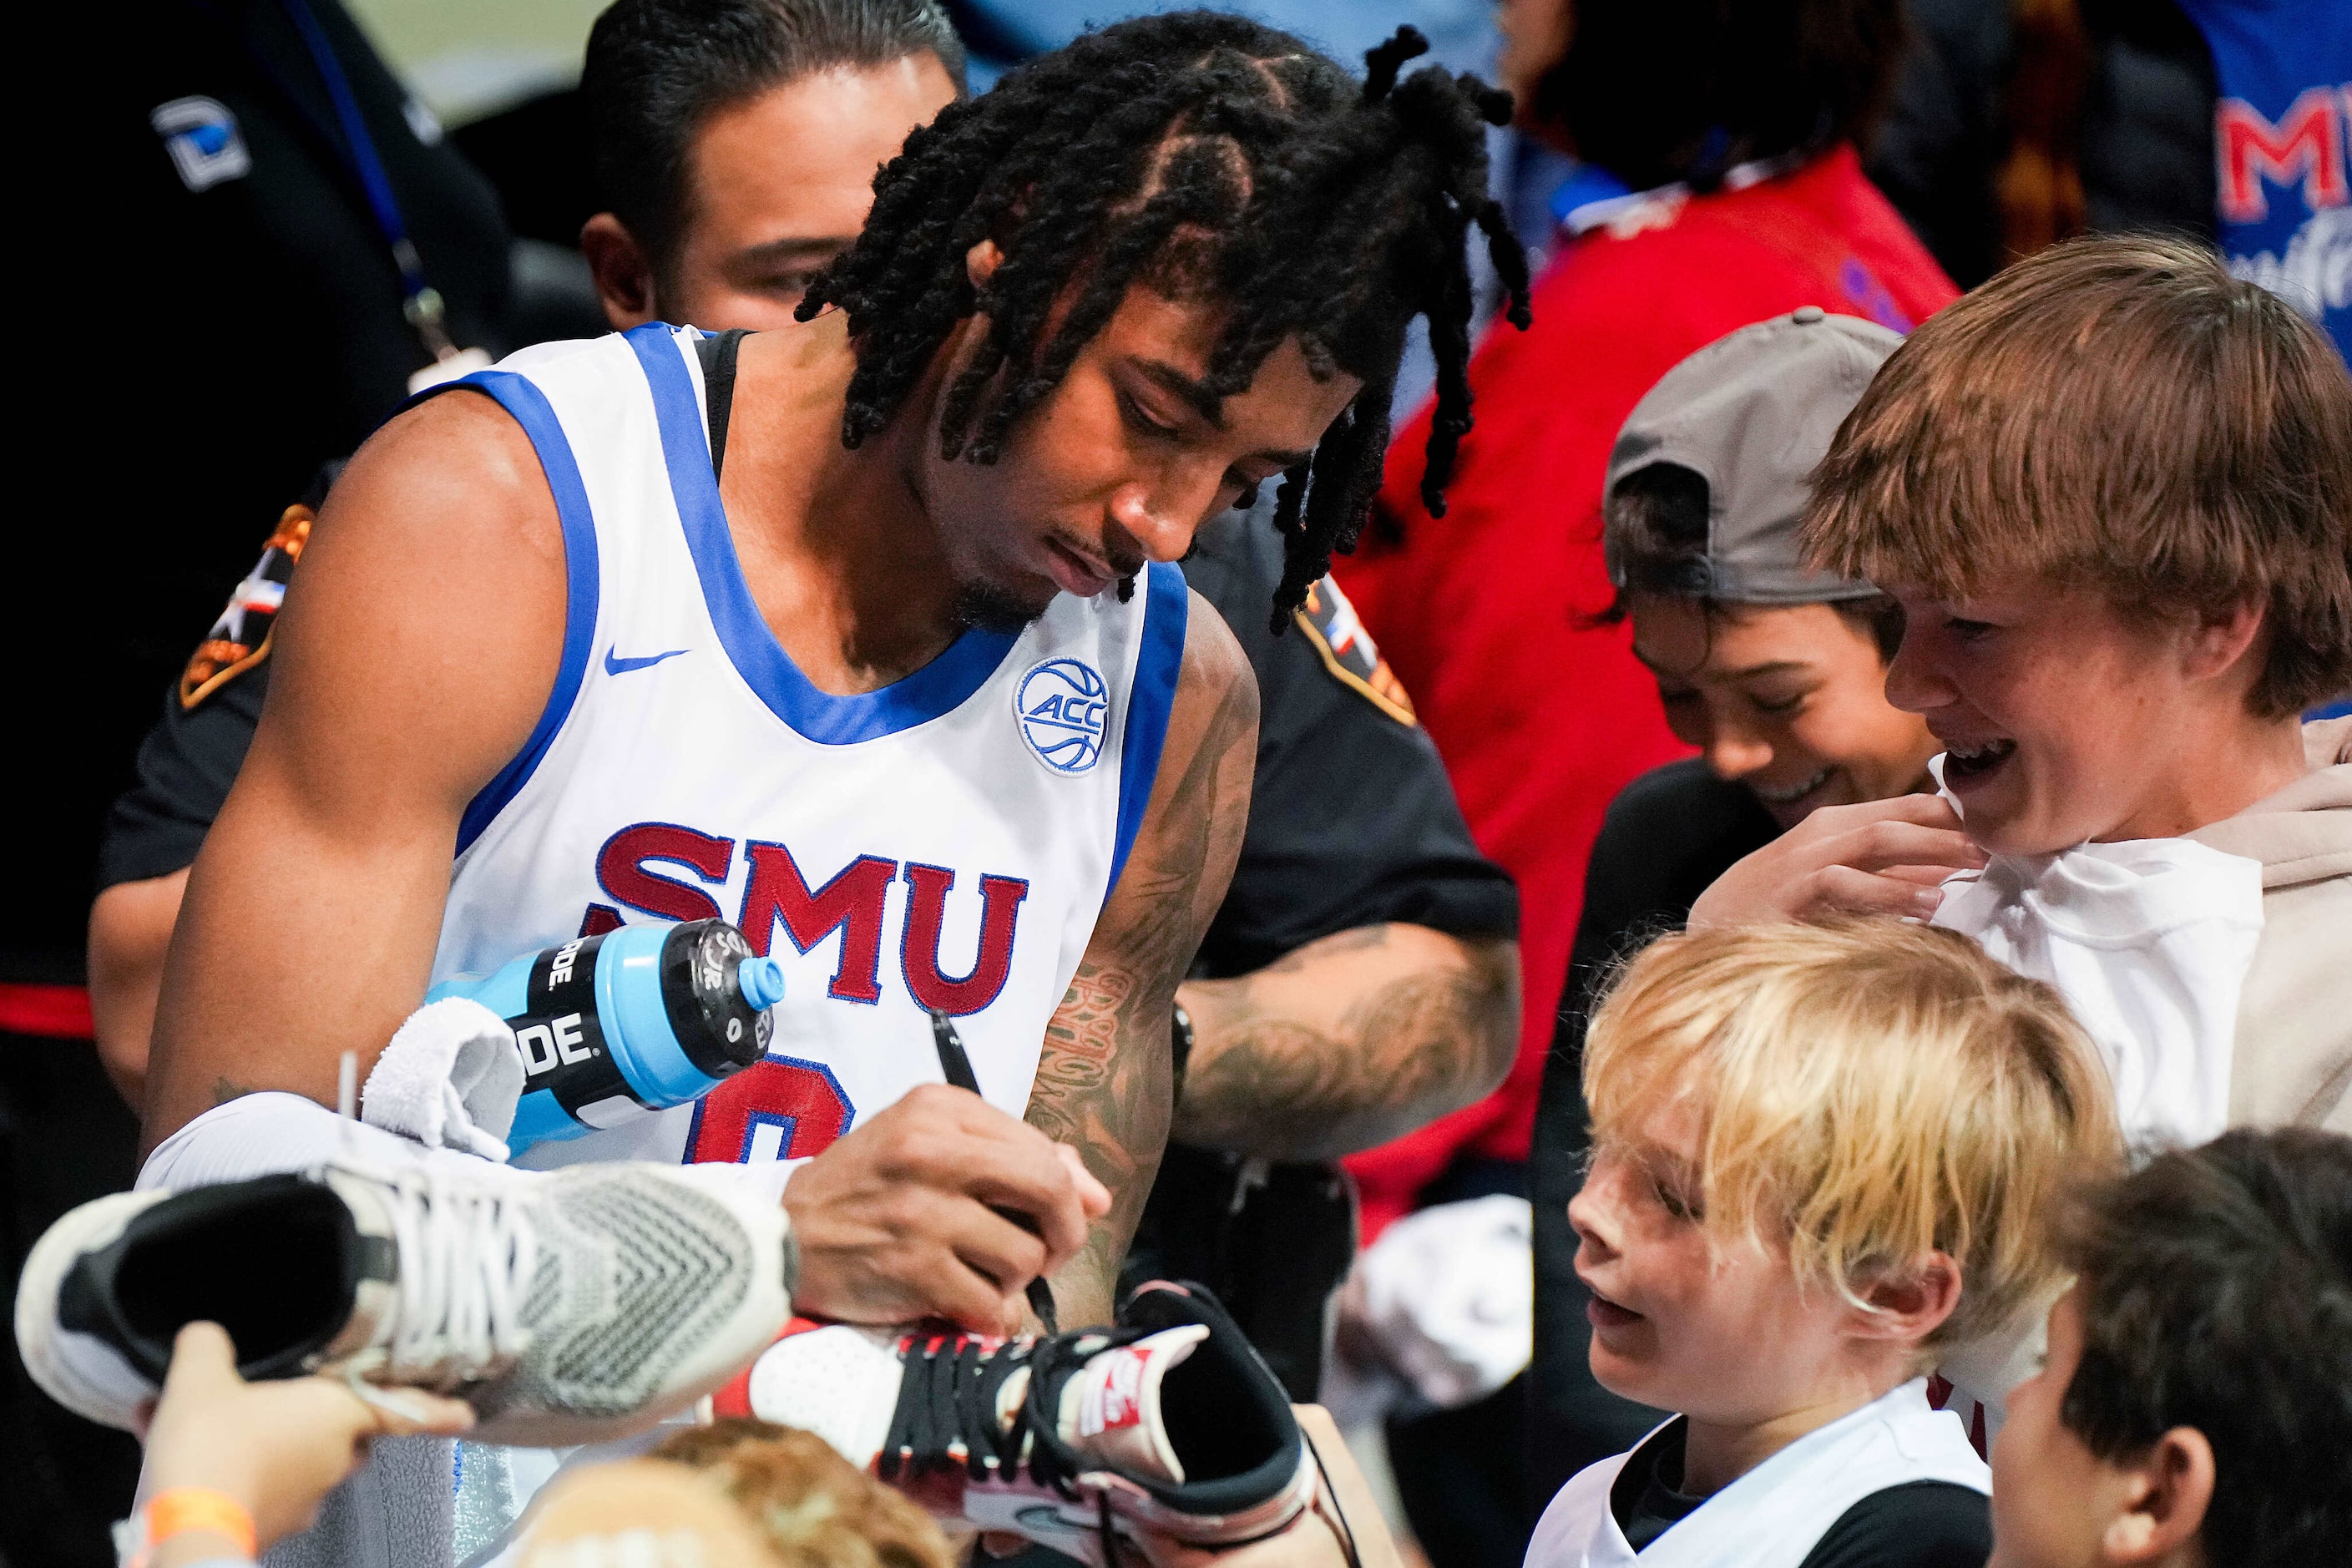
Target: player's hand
(898,1220)
(1881,858)
(276,1446)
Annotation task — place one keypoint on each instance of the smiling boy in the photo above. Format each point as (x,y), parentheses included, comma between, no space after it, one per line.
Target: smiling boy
(2112,492)
(1819,1156)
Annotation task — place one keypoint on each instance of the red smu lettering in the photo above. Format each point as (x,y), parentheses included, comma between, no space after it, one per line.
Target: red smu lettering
(851,903)
(2308,140)
(919,949)
(621,869)
(795,1108)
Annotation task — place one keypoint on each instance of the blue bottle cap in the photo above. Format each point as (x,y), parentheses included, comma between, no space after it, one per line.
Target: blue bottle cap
(762,982)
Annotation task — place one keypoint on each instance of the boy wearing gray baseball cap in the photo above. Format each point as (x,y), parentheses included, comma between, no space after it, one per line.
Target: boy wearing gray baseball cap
(1774,671)
(1771,669)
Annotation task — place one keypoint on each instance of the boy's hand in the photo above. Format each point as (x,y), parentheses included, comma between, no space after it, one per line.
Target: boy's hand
(1881,858)
(279,1447)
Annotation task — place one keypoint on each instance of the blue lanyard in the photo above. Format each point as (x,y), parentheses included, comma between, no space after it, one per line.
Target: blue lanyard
(422,303)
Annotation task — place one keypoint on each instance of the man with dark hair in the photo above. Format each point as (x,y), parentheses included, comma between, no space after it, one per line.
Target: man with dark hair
(866,694)
(737,141)
(2195,1408)
(928,493)
(1359,977)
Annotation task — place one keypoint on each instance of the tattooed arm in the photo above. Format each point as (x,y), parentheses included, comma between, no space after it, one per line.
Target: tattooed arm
(1350,1041)
(1104,1082)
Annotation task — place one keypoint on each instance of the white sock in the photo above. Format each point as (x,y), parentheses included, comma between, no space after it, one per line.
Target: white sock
(264,1134)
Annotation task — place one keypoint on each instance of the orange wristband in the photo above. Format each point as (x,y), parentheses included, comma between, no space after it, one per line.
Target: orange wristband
(178,1510)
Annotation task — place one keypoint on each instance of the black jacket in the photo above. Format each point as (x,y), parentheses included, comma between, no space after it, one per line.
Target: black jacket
(2145,147)
(215,342)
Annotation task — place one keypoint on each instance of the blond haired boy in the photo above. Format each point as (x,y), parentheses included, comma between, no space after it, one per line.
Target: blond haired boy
(1821,1153)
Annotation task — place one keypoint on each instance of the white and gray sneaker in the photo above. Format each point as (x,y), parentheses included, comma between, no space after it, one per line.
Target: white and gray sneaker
(565,1306)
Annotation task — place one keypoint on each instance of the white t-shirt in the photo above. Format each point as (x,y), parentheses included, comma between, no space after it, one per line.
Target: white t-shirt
(1776,1513)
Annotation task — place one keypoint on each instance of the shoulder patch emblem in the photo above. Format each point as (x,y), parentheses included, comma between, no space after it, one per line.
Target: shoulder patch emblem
(1061,705)
(240,639)
(1348,652)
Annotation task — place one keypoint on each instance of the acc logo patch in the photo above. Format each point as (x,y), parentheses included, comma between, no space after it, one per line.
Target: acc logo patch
(240,639)
(1062,704)
(201,135)
(1348,652)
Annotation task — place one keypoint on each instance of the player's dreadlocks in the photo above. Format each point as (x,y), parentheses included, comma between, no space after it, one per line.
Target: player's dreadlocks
(1209,157)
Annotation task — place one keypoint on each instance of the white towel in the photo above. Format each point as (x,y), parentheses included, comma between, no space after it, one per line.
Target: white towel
(450,1080)
(1445,1301)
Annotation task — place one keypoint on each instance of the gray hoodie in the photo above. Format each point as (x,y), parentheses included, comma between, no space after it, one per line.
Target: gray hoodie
(2292,1058)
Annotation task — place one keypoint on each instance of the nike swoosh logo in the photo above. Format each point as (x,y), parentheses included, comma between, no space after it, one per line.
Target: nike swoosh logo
(614,665)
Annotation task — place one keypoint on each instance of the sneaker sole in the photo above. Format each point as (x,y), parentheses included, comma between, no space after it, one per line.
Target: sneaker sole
(115,1396)
(40,1337)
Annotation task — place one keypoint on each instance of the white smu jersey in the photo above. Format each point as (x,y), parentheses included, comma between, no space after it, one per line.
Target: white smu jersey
(1773,1516)
(945,842)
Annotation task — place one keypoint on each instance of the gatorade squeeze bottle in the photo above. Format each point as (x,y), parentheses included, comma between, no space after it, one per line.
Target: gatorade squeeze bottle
(637,1019)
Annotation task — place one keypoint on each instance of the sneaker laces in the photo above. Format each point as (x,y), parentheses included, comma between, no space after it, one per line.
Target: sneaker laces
(947,1414)
(466,1254)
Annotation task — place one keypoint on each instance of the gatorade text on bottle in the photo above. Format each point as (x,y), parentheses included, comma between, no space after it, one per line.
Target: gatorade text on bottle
(637,1019)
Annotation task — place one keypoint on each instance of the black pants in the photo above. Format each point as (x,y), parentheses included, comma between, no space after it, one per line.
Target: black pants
(1274,1244)
(1460,1476)
(65,1138)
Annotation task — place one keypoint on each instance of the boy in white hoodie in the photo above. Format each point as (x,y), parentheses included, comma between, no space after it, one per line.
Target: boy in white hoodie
(2111,491)
(1820,1155)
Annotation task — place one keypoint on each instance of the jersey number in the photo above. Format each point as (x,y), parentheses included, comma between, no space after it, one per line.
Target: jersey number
(781,1108)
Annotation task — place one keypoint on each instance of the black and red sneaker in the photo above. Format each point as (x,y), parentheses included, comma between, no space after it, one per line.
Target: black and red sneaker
(1168,1424)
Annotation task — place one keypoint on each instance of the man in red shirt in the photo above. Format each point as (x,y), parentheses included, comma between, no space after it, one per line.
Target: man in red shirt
(1541,719)
(1719,186)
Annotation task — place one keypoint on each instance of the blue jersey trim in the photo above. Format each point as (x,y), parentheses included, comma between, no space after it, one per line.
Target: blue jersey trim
(940,687)
(528,405)
(1167,603)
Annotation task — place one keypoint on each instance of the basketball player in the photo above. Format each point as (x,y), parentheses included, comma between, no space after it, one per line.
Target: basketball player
(881,695)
